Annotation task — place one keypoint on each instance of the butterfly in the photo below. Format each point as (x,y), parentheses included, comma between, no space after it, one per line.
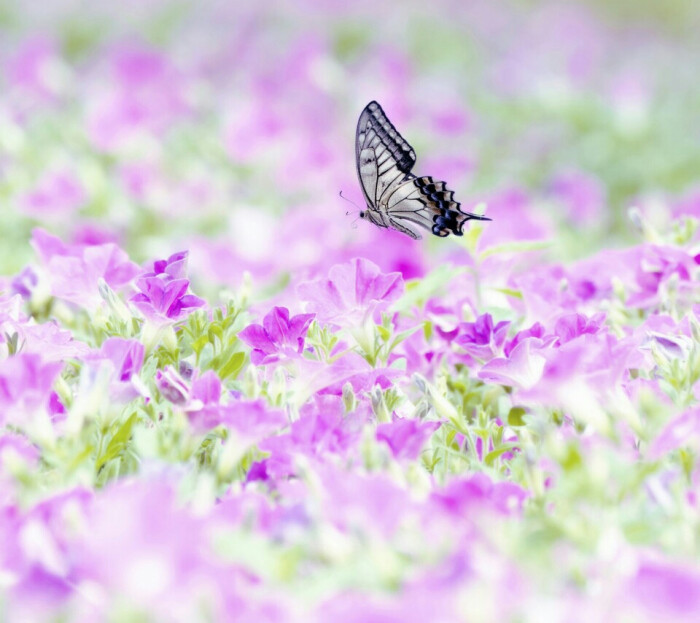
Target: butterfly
(395,197)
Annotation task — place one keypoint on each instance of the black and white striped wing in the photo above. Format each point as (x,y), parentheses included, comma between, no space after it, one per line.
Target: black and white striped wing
(427,203)
(384,158)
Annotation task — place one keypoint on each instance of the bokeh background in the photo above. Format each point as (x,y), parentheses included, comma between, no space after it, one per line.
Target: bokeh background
(227,128)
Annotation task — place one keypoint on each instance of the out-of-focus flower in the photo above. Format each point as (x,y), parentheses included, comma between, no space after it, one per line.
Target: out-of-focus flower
(46,339)
(36,70)
(146,95)
(24,282)
(25,388)
(571,326)
(654,266)
(480,339)
(278,336)
(464,495)
(323,429)
(353,292)
(74,271)
(56,196)
(682,431)
(207,407)
(664,590)
(144,551)
(162,296)
(406,437)
(39,553)
(125,358)
(583,197)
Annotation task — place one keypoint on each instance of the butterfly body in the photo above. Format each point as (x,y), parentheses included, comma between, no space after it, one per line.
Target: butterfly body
(395,197)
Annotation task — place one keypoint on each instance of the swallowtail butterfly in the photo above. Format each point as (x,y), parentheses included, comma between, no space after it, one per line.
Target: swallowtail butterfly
(396,197)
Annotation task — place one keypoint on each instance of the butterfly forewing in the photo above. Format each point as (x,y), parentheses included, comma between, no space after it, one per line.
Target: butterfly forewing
(384,158)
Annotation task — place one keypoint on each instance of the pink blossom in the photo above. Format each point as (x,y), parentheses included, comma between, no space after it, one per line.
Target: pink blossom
(323,429)
(353,293)
(25,388)
(522,368)
(278,336)
(464,495)
(124,358)
(58,195)
(406,437)
(46,339)
(582,195)
(682,431)
(207,407)
(146,94)
(480,339)
(665,590)
(33,69)
(75,270)
(39,554)
(162,295)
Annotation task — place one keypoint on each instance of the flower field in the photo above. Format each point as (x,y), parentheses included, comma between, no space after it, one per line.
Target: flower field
(224,397)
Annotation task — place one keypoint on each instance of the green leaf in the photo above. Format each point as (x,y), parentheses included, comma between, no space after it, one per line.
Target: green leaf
(118,442)
(515,416)
(232,366)
(509,292)
(400,337)
(491,457)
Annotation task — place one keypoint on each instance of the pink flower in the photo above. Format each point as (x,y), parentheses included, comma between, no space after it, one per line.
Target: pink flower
(665,590)
(124,359)
(207,407)
(480,339)
(406,437)
(582,195)
(163,291)
(46,339)
(323,428)
(146,94)
(24,282)
(682,431)
(33,69)
(353,293)
(571,326)
(464,495)
(25,388)
(75,270)
(39,554)
(277,337)
(58,195)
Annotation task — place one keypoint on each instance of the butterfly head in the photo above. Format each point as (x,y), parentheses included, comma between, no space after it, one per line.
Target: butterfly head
(362,214)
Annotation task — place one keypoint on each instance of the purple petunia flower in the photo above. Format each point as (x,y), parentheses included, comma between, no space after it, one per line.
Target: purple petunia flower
(405,437)
(353,292)
(205,405)
(75,271)
(163,291)
(480,339)
(278,336)
(25,390)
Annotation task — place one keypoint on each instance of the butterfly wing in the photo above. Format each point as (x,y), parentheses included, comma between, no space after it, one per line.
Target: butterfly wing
(384,159)
(427,203)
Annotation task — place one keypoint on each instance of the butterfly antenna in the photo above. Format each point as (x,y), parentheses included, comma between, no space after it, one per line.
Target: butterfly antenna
(349,201)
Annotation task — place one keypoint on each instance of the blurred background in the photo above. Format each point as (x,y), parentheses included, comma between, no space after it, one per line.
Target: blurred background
(228,128)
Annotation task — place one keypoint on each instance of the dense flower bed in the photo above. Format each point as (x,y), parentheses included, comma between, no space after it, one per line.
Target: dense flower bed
(221,400)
